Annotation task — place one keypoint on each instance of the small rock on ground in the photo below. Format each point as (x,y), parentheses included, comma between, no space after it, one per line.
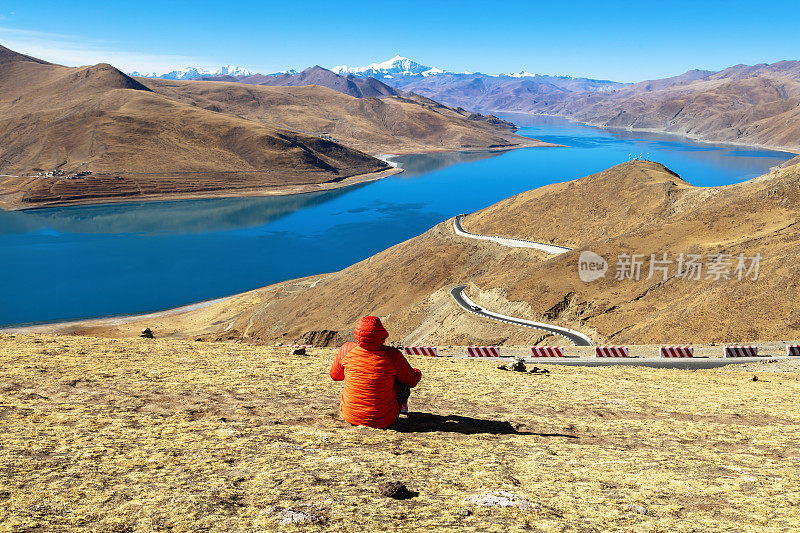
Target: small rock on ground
(638,509)
(500,498)
(299,351)
(516,366)
(295,516)
(396,490)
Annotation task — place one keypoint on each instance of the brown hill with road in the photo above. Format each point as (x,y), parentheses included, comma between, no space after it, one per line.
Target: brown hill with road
(146,140)
(634,208)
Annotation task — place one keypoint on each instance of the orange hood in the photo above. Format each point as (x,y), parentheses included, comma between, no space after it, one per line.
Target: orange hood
(370,333)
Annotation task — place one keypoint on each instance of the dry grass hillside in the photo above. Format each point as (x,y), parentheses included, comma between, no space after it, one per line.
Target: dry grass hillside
(755,217)
(139,143)
(138,435)
(196,139)
(634,208)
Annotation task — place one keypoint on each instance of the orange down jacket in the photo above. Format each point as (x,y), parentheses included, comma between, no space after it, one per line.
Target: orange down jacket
(369,370)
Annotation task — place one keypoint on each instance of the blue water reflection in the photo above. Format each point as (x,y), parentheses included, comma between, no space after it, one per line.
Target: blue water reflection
(67,263)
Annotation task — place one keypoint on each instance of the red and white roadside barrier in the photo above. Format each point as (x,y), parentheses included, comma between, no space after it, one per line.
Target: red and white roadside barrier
(793,349)
(547,351)
(676,351)
(421,350)
(611,351)
(300,345)
(740,351)
(483,351)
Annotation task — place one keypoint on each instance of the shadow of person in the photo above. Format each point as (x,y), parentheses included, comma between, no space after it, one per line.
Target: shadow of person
(429,422)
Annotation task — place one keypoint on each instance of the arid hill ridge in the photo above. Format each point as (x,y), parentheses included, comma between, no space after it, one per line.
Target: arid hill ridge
(138,143)
(148,139)
(635,208)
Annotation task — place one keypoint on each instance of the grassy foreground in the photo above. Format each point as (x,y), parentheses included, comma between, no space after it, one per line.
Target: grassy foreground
(138,435)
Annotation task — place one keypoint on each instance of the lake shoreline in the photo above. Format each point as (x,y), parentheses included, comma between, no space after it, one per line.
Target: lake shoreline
(65,327)
(15,204)
(695,138)
(177,196)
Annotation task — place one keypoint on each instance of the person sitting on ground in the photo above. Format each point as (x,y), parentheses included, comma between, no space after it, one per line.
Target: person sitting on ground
(377,378)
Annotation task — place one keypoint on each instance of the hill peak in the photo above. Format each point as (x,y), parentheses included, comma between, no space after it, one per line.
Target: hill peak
(348,84)
(10,56)
(316,68)
(105,76)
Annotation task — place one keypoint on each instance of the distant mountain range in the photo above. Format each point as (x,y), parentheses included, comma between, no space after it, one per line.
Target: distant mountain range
(392,68)
(396,67)
(192,73)
(112,137)
(753,104)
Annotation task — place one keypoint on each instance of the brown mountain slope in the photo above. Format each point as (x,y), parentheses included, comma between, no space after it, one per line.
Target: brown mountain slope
(752,105)
(633,208)
(780,69)
(200,139)
(141,144)
(373,125)
(8,56)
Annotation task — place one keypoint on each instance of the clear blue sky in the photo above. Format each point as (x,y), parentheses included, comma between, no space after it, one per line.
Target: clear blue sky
(624,41)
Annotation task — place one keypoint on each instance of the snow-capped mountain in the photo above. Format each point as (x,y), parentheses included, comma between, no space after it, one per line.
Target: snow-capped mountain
(523,74)
(191,73)
(394,67)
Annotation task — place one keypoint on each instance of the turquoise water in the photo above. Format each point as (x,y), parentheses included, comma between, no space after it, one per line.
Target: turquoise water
(79,262)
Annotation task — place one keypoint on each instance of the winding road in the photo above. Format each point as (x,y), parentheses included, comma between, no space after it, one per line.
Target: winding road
(507,241)
(575,337)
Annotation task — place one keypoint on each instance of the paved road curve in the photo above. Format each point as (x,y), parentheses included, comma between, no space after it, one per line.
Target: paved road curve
(507,241)
(575,337)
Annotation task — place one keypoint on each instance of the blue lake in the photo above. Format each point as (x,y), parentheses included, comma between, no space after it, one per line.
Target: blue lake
(78,262)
